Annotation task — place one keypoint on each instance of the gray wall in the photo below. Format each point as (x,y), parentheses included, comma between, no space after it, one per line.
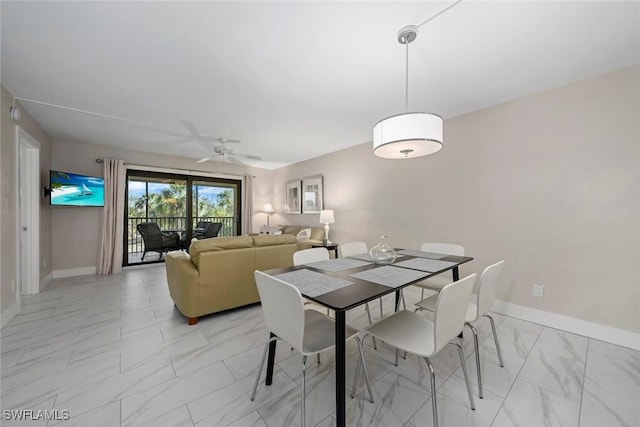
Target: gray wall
(78,229)
(549,183)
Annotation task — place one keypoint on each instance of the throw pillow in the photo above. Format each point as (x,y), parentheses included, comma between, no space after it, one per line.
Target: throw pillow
(277,233)
(304,234)
(265,229)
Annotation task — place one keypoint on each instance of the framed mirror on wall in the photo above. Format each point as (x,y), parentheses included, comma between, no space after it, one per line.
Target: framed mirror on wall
(312,195)
(293,200)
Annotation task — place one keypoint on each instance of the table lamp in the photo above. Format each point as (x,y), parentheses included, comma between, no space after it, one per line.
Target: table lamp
(268,209)
(326,218)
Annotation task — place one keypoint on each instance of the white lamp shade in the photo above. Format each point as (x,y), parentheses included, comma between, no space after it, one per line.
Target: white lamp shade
(268,208)
(407,135)
(326,217)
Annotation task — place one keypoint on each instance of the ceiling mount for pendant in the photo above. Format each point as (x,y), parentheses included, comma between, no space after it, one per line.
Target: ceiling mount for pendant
(407,34)
(409,134)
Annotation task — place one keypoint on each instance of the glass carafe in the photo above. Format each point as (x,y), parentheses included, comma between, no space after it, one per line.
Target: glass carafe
(382,253)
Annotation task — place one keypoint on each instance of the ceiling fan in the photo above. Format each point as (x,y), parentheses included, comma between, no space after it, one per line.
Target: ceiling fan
(215,152)
(225,153)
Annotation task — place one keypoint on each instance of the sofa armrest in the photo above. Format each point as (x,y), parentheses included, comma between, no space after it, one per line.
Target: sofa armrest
(183,279)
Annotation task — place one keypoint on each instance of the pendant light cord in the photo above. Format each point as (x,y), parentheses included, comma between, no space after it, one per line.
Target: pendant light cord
(406,86)
(438,14)
(406,42)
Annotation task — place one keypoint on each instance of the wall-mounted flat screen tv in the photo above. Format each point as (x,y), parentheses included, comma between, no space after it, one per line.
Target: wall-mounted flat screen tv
(71,189)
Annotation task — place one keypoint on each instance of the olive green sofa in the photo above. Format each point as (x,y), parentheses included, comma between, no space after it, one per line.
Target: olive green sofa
(217,273)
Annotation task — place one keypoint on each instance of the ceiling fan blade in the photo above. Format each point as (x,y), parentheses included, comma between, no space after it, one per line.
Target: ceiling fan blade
(233,160)
(248,156)
(171,141)
(193,131)
(204,159)
(232,141)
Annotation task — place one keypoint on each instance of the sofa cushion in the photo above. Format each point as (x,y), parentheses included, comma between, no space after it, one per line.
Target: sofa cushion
(218,244)
(272,240)
(291,229)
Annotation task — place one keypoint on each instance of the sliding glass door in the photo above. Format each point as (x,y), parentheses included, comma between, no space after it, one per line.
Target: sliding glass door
(180,205)
(215,202)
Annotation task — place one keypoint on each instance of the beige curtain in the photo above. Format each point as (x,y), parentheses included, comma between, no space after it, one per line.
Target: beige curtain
(112,228)
(247,205)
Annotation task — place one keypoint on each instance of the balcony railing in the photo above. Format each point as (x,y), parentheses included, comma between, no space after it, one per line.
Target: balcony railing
(172,223)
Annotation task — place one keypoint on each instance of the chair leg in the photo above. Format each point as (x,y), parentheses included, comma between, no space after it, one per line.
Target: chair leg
(434,402)
(495,339)
(143,254)
(356,374)
(476,348)
(422,295)
(304,391)
(466,374)
(366,308)
(264,357)
(364,365)
(404,304)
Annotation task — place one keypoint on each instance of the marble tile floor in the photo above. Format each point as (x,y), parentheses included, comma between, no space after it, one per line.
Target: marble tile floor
(113,351)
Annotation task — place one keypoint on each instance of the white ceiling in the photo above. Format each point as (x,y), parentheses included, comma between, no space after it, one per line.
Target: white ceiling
(292,80)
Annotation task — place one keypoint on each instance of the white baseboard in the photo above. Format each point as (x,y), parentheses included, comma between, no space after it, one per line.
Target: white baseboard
(45,280)
(72,272)
(581,327)
(8,314)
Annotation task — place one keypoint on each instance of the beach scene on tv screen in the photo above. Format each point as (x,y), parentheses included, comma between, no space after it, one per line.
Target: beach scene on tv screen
(69,189)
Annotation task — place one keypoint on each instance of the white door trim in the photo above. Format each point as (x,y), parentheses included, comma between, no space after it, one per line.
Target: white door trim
(28,191)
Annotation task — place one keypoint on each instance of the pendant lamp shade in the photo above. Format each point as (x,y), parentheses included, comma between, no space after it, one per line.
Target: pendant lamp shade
(407,135)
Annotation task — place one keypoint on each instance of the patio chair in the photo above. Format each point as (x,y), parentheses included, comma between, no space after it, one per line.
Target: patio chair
(207,230)
(156,240)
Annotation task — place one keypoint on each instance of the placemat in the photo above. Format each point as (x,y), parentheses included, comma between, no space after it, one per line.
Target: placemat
(364,257)
(312,283)
(425,264)
(339,264)
(421,254)
(389,275)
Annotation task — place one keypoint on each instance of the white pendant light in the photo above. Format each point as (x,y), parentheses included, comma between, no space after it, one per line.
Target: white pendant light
(410,134)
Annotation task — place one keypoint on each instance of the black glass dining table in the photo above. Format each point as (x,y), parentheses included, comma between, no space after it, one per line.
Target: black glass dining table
(345,283)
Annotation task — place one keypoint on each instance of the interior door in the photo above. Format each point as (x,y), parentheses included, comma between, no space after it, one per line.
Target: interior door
(28,214)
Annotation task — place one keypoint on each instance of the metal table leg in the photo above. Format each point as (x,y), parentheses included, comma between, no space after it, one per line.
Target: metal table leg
(271,360)
(341,374)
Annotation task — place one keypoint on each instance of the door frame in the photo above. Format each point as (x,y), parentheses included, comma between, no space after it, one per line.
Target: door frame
(27,214)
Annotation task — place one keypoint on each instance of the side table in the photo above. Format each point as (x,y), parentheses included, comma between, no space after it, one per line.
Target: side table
(329,246)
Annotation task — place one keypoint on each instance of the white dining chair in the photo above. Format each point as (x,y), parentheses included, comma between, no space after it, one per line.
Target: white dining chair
(308,256)
(479,305)
(414,333)
(307,331)
(436,283)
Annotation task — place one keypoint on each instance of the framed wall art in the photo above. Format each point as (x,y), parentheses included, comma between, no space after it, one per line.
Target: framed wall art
(292,204)
(312,197)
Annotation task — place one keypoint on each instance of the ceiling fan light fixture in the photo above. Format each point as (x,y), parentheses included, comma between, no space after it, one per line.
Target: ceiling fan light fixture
(411,134)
